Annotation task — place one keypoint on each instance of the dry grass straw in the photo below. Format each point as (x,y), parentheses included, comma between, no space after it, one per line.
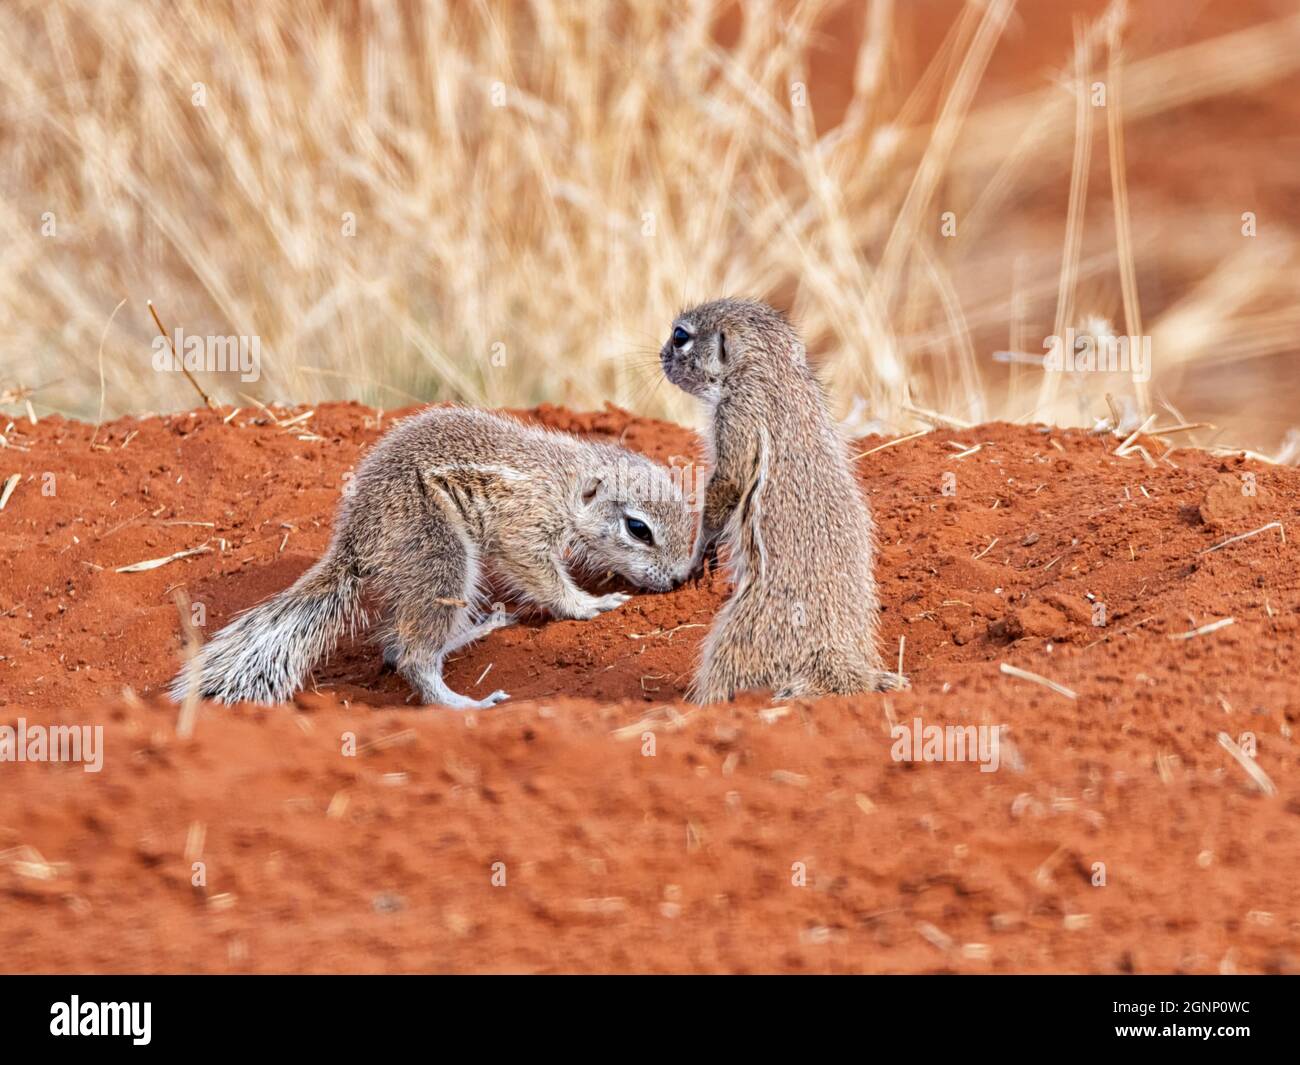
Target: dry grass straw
(504,203)
(1203,630)
(154,563)
(1037,678)
(1247,535)
(1258,777)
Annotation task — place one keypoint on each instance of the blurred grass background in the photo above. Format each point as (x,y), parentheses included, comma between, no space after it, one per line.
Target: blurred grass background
(504,202)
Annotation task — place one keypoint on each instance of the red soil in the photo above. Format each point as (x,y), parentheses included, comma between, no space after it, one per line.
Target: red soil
(684,860)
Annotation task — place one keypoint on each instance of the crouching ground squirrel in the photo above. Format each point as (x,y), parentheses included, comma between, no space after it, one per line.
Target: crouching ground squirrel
(803,617)
(446,499)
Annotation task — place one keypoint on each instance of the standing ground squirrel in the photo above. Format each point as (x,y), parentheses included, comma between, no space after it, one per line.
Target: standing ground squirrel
(803,618)
(445,499)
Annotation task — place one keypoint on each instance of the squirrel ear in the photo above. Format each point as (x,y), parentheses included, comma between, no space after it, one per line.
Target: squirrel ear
(591,488)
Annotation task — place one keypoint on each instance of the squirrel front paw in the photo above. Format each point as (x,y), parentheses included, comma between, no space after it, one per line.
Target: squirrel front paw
(589,606)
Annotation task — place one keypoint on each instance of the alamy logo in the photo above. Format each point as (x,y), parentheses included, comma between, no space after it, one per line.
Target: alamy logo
(1081,352)
(102,1018)
(213,354)
(948,743)
(636,482)
(53,743)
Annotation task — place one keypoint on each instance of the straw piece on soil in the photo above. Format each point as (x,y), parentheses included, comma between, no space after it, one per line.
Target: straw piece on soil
(1204,630)
(195,838)
(296,419)
(1261,779)
(891,443)
(29,863)
(265,409)
(934,936)
(154,563)
(11,482)
(1246,535)
(394,739)
(636,728)
(338,805)
(1129,441)
(660,632)
(1024,674)
(653,720)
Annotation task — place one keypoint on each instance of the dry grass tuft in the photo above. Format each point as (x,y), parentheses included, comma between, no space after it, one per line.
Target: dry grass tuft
(504,203)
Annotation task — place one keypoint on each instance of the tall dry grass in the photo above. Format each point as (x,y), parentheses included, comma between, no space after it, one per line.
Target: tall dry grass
(537,187)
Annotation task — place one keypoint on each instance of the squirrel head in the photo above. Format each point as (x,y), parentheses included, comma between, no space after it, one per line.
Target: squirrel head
(632,517)
(715,341)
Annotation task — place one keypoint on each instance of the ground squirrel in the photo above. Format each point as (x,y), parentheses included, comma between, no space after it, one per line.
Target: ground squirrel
(803,618)
(446,499)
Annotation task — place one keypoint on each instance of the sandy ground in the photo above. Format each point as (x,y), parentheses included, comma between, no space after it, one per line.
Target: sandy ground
(544,836)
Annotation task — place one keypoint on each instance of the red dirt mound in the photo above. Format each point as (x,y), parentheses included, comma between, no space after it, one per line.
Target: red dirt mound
(596,822)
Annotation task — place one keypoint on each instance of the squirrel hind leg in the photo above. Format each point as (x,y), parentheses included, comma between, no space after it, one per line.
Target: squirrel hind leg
(423,633)
(428,681)
(421,662)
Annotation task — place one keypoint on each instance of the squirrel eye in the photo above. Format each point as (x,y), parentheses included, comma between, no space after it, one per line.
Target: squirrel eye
(640,530)
(680,337)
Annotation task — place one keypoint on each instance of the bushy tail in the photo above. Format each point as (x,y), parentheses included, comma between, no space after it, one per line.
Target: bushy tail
(263,655)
